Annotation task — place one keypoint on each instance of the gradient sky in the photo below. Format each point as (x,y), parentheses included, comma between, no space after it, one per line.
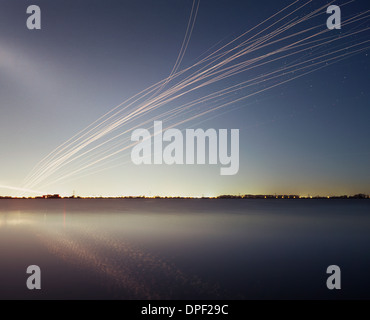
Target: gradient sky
(309,136)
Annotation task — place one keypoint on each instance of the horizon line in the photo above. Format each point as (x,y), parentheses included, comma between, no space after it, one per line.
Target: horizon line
(225,196)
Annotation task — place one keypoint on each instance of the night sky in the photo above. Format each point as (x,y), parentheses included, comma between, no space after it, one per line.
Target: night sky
(306,136)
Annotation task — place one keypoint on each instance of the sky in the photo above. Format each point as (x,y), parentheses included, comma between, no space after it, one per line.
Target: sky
(308,135)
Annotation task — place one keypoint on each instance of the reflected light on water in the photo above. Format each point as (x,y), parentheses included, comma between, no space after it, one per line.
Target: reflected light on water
(184,249)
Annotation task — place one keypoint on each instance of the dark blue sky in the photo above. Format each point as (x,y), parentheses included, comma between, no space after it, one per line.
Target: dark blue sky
(307,136)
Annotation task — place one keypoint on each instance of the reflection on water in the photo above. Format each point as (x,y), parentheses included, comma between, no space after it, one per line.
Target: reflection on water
(184,249)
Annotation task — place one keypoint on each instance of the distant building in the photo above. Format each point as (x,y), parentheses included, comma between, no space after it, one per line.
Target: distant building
(51,196)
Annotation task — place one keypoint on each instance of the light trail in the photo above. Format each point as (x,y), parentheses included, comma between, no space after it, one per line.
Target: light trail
(21,189)
(94,145)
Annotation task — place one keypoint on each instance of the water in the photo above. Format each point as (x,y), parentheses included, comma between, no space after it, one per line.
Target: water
(184,249)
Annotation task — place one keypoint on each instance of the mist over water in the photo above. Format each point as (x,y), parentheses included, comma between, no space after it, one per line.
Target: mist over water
(184,249)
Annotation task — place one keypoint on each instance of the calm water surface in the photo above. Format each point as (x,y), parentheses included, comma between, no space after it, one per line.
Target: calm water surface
(184,249)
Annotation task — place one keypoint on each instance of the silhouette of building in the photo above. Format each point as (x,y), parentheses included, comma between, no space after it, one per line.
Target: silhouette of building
(51,196)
